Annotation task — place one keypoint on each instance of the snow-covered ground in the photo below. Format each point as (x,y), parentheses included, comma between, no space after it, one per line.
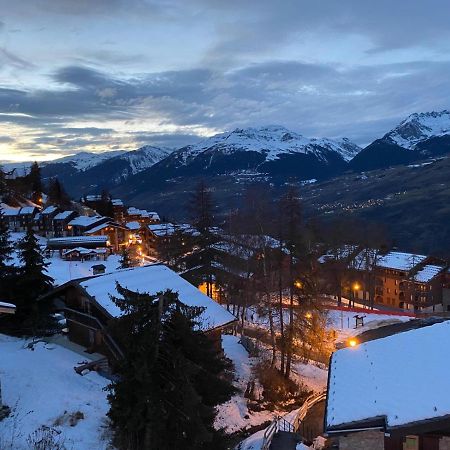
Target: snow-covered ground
(344,322)
(42,388)
(62,271)
(234,414)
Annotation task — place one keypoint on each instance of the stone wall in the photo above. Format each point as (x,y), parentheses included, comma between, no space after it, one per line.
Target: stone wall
(367,440)
(444,443)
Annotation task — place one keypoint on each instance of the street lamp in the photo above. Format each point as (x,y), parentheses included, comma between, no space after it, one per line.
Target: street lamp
(352,342)
(355,288)
(308,315)
(298,284)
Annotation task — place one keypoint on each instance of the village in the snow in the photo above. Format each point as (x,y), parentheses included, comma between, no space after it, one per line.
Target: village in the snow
(321,344)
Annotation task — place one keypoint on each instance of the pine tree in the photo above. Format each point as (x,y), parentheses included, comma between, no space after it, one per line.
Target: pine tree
(3,187)
(57,194)
(5,243)
(7,272)
(125,259)
(201,212)
(170,379)
(35,183)
(33,282)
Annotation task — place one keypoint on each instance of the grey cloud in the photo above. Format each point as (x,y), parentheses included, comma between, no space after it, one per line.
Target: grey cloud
(317,100)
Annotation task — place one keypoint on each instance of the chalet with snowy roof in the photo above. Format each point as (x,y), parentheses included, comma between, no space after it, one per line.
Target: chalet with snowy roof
(142,216)
(61,222)
(379,398)
(160,235)
(81,224)
(408,281)
(89,308)
(118,210)
(20,218)
(85,254)
(117,234)
(45,220)
(11,215)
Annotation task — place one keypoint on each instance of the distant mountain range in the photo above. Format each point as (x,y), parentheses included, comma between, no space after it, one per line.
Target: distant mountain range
(264,153)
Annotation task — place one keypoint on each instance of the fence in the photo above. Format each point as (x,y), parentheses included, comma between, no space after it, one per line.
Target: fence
(281,424)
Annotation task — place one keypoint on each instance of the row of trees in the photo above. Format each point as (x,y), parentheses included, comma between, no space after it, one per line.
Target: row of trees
(273,264)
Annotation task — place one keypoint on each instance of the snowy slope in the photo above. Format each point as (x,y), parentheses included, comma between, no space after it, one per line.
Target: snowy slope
(271,141)
(419,127)
(85,160)
(144,157)
(42,388)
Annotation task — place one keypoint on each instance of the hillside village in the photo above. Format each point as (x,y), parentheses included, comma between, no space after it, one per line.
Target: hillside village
(277,317)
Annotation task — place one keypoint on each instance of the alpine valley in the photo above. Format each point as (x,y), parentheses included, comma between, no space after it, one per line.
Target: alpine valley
(407,164)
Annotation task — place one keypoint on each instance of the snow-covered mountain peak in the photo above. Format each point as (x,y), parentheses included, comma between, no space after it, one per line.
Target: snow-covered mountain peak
(270,140)
(420,126)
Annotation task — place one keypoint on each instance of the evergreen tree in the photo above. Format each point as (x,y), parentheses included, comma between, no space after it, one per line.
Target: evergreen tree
(33,282)
(7,272)
(57,194)
(35,183)
(105,206)
(125,259)
(5,243)
(3,188)
(201,208)
(201,212)
(170,378)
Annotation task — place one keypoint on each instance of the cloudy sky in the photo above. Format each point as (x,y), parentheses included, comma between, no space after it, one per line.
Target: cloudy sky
(116,74)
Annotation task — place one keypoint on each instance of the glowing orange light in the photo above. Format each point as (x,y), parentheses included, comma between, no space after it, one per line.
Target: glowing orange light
(308,315)
(352,342)
(298,284)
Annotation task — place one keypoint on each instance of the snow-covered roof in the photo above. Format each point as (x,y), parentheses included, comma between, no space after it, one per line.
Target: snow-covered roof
(98,228)
(133,225)
(427,273)
(340,253)
(103,226)
(167,229)
(86,221)
(162,229)
(63,215)
(67,242)
(117,202)
(153,279)
(10,210)
(86,251)
(49,210)
(27,210)
(400,261)
(93,198)
(364,381)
